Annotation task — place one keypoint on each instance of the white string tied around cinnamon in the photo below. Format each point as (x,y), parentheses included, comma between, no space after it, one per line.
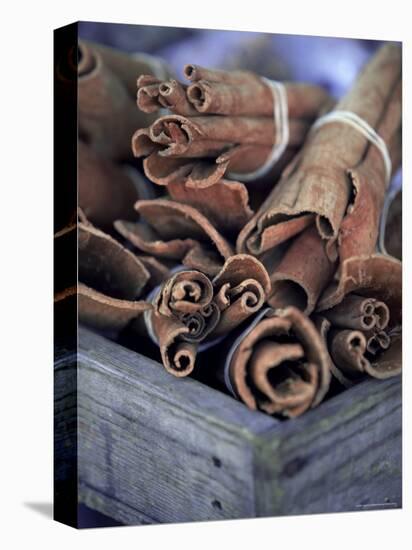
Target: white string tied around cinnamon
(354,120)
(281,124)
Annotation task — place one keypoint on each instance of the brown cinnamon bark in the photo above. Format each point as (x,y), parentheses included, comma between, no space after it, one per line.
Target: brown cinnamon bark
(358,233)
(211,145)
(315,185)
(185,292)
(107,191)
(178,356)
(107,90)
(183,316)
(233,93)
(245,93)
(241,288)
(374,276)
(111,279)
(349,351)
(154,94)
(178,232)
(279,364)
(254,98)
(225,204)
(366,295)
(359,313)
(103,312)
(239,142)
(302,274)
(323,326)
(189,308)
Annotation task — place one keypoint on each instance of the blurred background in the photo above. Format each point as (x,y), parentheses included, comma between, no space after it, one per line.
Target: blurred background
(330,62)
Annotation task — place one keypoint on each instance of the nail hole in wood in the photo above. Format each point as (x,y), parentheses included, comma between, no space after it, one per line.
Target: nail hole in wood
(216,461)
(294,466)
(216,504)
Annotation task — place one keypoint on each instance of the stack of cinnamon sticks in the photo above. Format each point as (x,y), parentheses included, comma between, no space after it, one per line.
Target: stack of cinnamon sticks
(273,278)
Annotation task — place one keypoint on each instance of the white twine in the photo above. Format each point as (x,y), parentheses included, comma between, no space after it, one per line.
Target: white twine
(281,124)
(236,344)
(354,120)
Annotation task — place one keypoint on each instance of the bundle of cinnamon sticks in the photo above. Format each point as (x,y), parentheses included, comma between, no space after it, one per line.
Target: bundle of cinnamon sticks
(257,264)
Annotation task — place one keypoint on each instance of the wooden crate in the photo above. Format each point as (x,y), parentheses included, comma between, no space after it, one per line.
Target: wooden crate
(153,449)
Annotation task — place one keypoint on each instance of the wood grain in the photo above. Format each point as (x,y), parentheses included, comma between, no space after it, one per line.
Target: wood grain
(153,448)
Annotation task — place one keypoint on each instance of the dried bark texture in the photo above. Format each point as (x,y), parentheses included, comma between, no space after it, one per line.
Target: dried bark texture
(302,274)
(315,185)
(225,205)
(323,326)
(280,364)
(241,289)
(185,292)
(107,98)
(375,276)
(154,94)
(107,191)
(358,233)
(200,149)
(232,93)
(254,97)
(359,313)
(111,279)
(356,354)
(183,316)
(98,310)
(174,231)
(190,309)
(362,321)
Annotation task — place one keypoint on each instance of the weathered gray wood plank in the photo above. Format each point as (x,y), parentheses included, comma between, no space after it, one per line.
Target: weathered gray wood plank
(156,449)
(344,456)
(65,437)
(171,449)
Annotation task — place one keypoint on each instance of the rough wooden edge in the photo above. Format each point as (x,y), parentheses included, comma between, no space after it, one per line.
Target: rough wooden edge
(287,456)
(346,455)
(187,394)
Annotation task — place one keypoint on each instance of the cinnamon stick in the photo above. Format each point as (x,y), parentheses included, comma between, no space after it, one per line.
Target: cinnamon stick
(315,186)
(234,93)
(241,288)
(183,316)
(107,90)
(178,232)
(363,307)
(201,149)
(376,276)
(107,191)
(154,94)
(226,204)
(279,364)
(192,312)
(111,279)
(358,233)
(302,274)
